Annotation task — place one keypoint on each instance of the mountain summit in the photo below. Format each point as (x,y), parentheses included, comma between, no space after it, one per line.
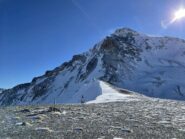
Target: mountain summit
(153,66)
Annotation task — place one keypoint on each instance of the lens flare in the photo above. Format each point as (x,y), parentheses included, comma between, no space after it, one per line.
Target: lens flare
(179,14)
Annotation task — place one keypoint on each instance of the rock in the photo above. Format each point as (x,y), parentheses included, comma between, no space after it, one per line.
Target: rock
(38,117)
(21,124)
(53,109)
(126,130)
(43,129)
(64,112)
(78,129)
(57,113)
(25,110)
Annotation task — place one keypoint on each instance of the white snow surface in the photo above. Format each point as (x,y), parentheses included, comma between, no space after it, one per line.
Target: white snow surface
(94,91)
(109,94)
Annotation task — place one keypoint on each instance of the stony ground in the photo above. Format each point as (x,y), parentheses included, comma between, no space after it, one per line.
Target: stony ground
(147,118)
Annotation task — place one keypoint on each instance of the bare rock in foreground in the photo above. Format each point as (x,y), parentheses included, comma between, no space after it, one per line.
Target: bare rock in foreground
(147,118)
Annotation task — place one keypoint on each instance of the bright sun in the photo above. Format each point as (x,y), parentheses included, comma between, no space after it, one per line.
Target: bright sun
(179,14)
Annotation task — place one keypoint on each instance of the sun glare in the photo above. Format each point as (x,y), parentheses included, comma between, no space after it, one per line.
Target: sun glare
(179,14)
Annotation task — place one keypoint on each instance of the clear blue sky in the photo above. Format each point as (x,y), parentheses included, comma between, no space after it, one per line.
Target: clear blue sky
(38,35)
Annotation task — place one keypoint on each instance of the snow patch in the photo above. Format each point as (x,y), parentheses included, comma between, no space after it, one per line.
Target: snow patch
(108,94)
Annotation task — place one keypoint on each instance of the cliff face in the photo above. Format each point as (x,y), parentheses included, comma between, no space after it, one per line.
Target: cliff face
(153,66)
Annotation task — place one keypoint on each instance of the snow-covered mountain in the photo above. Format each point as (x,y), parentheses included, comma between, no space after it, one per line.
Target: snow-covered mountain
(153,66)
(1,90)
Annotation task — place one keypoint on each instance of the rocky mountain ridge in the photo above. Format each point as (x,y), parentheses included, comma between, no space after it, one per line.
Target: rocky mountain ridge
(153,66)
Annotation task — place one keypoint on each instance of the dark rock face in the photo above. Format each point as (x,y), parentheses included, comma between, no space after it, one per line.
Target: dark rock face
(91,65)
(9,95)
(120,53)
(81,58)
(89,68)
(41,88)
(108,44)
(21,86)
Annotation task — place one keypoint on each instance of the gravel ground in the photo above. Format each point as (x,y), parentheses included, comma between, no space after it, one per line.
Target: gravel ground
(146,118)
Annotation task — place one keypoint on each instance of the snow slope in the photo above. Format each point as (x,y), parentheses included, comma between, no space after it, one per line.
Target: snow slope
(110,94)
(94,91)
(153,66)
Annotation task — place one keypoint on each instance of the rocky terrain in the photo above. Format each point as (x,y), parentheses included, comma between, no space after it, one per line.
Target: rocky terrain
(144,118)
